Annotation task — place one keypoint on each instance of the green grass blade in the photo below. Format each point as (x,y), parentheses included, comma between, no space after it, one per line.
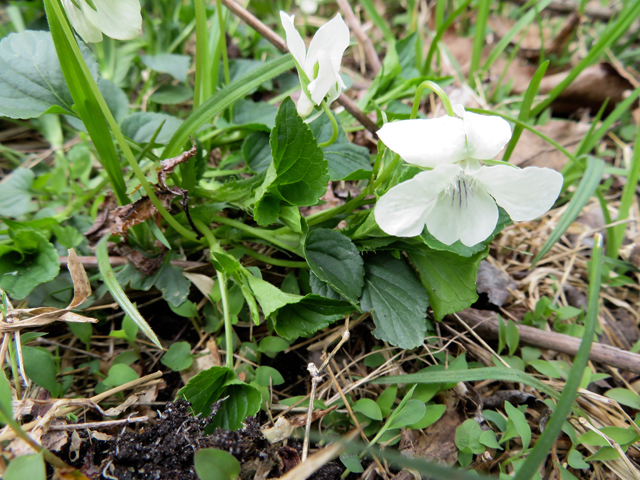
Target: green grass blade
(471,375)
(608,38)
(478,39)
(527,101)
(87,106)
(377,20)
(570,391)
(525,20)
(547,139)
(426,68)
(223,99)
(586,188)
(601,131)
(626,201)
(118,294)
(582,146)
(202,82)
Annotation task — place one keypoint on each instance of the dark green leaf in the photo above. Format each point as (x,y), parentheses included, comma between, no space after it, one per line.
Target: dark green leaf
(178,357)
(397,299)
(213,464)
(15,194)
(267,376)
(334,259)
(41,368)
(257,152)
(322,288)
(26,466)
(311,314)
(450,279)
(254,115)
(298,174)
(352,462)
(31,80)
(172,94)
(346,161)
(140,127)
(32,260)
(171,63)
(173,284)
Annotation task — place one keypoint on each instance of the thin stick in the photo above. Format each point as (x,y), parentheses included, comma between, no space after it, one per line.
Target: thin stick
(365,41)
(482,342)
(92,262)
(315,379)
(105,424)
(486,323)
(345,337)
(281,45)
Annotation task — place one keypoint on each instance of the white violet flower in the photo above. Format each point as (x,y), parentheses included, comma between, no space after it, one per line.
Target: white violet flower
(457,199)
(321,63)
(119,19)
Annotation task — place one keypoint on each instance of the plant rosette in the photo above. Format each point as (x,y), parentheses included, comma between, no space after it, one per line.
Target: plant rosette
(458,198)
(319,66)
(119,19)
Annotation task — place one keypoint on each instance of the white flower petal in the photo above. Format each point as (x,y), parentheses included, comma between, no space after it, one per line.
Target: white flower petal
(403,210)
(308,6)
(427,143)
(304,105)
(524,193)
(119,19)
(89,32)
(486,134)
(295,43)
(325,81)
(332,38)
(470,218)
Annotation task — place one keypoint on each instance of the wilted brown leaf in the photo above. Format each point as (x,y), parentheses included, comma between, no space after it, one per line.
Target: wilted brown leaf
(17,319)
(168,166)
(137,212)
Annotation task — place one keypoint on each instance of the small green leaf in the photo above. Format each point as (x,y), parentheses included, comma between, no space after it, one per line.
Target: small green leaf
(346,161)
(309,315)
(30,261)
(83,331)
(488,439)
(175,65)
(142,126)
(368,408)
(520,423)
(621,436)
(40,367)
(119,375)
(267,376)
(513,337)
(178,357)
(352,462)
(214,464)
(412,412)
(432,414)
(172,94)
(386,400)
(576,460)
(6,399)
(545,368)
(173,284)
(15,194)
(397,299)
(334,259)
(624,397)
(467,438)
(272,345)
(450,279)
(26,466)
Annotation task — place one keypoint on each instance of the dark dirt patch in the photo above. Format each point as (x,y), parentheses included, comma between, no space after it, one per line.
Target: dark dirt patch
(165,450)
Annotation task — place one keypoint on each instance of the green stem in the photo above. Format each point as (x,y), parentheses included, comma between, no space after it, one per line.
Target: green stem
(223,43)
(272,261)
(255,232)
(202,87)
(435,88)
(214,246)
(115,128)
(334,124)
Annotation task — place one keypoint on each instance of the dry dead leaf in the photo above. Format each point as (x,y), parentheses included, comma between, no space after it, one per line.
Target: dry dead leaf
(55,440)
(147,265)
(20,318)
(436,443)
(280,431)
(169,165)
(137,212)
(115,411)
(495,283)
(102,224)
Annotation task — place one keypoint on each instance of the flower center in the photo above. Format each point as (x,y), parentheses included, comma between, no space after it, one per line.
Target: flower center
(460,190)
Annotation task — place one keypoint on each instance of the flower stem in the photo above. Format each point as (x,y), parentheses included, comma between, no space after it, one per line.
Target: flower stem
(334,124)
(214,246)
(255,232)
(223,43)
(435,88)
(202,89)
(273,261)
